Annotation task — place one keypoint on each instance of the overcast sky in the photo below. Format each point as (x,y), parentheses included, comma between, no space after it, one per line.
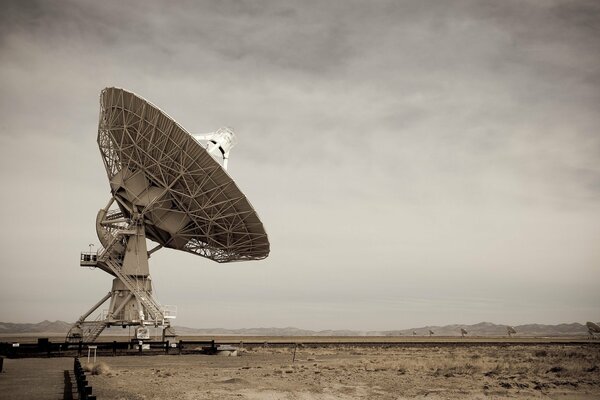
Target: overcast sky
(414,162)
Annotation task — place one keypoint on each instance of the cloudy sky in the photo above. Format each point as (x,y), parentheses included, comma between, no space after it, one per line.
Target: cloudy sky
(414,162)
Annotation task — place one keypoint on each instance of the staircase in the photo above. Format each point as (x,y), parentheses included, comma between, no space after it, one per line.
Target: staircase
(95,329)
(153,308)
(88,331)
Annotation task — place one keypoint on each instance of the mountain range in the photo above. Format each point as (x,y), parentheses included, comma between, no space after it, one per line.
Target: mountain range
(44,326)
(480,329)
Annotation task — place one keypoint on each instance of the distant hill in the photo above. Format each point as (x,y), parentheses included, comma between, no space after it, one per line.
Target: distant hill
(480,329)
(289,331)
(491,329)
(44,326)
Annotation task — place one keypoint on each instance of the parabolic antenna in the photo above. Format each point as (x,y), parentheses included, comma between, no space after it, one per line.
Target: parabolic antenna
(510,331)
(463,332)
(167,186)
(593,328)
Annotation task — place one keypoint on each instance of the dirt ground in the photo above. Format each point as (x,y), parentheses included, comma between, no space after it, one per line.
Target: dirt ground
(444,372)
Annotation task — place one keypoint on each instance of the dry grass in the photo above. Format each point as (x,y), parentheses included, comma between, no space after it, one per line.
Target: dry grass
(521,372)
(100,368)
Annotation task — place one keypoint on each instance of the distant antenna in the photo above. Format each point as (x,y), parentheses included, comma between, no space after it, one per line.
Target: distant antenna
(463,332)
(510,330)
(593,329)
(414,333)
(431,333)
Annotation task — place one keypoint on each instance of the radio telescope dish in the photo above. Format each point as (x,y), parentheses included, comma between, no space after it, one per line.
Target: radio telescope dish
(510,331)
(593,329)
(463,332)
(431,333)
(167,186)
(188,200)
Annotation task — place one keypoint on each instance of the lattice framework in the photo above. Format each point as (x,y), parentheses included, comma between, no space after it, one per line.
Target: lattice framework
(220,223)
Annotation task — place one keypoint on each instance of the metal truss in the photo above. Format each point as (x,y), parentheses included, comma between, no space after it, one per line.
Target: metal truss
(187,200)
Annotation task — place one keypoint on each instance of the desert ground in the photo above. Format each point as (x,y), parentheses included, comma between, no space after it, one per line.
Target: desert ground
(436,371)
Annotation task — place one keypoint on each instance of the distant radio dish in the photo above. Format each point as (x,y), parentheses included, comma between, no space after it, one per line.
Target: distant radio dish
(431,333)
(166,186)
(593,328)
(510,331)
(463,332)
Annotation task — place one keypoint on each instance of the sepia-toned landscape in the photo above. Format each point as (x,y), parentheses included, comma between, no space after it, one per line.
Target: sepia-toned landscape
(325,367)
(313,366)
(442,371)
(290,200)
